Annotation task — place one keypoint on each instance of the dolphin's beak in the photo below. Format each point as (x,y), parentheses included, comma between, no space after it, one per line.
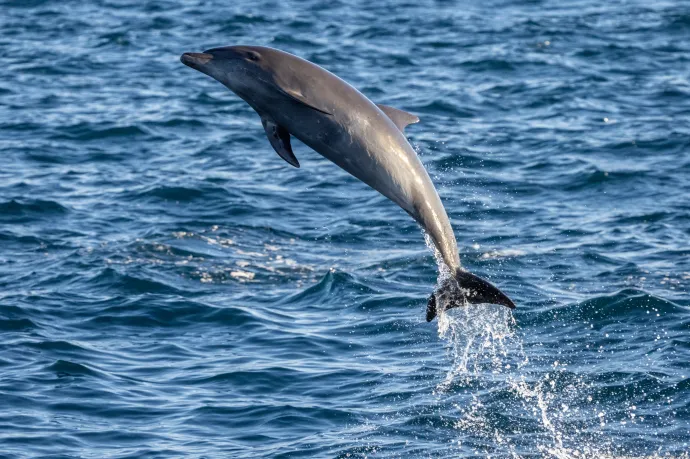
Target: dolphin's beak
(196,60)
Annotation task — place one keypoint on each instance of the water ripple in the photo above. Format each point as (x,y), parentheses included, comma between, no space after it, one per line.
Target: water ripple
(170,288)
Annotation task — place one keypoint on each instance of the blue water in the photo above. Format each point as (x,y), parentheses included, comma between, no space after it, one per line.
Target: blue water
(169,287)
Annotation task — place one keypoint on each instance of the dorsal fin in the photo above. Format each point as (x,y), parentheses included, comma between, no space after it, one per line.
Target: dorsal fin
(400,118)
(280,140)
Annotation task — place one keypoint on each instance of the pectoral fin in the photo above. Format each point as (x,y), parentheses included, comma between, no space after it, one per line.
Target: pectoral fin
(280,140)
(296,95)
(400,118)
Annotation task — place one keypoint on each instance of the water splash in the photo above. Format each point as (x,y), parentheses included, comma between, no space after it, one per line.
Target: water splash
(508,391)
(512,397)
(443,269)
(478,337)
(519,406)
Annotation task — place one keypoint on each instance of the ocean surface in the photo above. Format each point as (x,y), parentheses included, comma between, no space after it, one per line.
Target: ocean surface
(170,287)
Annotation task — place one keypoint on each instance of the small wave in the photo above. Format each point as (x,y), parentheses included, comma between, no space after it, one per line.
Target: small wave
(625,303)
(114,38)
(31,206)
(229,24)
(267,416)
(109,279)
(333,284)
(66,368)
(443,107)
(228,316)
(673,93)
(262,381)
(148,311)
(177,122)
(17,324)
(174,193)
(89,131)
(291,40)
(489,65)
(59,346)
(650,217)
(30,209)
(185,194)
(47,158)
(679,22)
(593,176)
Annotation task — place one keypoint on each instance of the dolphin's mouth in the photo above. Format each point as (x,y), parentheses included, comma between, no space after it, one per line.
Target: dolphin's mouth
(196,60)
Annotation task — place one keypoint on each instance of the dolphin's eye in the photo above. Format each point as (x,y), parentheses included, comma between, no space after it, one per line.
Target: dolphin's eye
(252,56)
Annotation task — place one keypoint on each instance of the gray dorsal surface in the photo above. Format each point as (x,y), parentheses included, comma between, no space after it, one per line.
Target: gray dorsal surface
(295,97)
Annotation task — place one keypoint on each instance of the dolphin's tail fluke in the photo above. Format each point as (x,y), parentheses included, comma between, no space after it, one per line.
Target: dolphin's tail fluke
(464,288)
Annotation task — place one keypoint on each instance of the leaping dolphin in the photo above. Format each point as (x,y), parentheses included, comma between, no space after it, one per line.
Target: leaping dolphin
(296,97)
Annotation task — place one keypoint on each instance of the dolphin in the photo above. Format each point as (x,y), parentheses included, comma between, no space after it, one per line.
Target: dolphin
(295,97)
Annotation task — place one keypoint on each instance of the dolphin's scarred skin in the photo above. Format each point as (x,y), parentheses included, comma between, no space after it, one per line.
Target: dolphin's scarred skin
(296,97)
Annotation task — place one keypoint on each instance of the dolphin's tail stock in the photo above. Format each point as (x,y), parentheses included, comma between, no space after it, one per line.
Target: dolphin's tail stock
(462,289)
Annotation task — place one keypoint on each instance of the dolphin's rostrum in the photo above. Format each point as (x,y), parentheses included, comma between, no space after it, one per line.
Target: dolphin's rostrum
(295,97)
